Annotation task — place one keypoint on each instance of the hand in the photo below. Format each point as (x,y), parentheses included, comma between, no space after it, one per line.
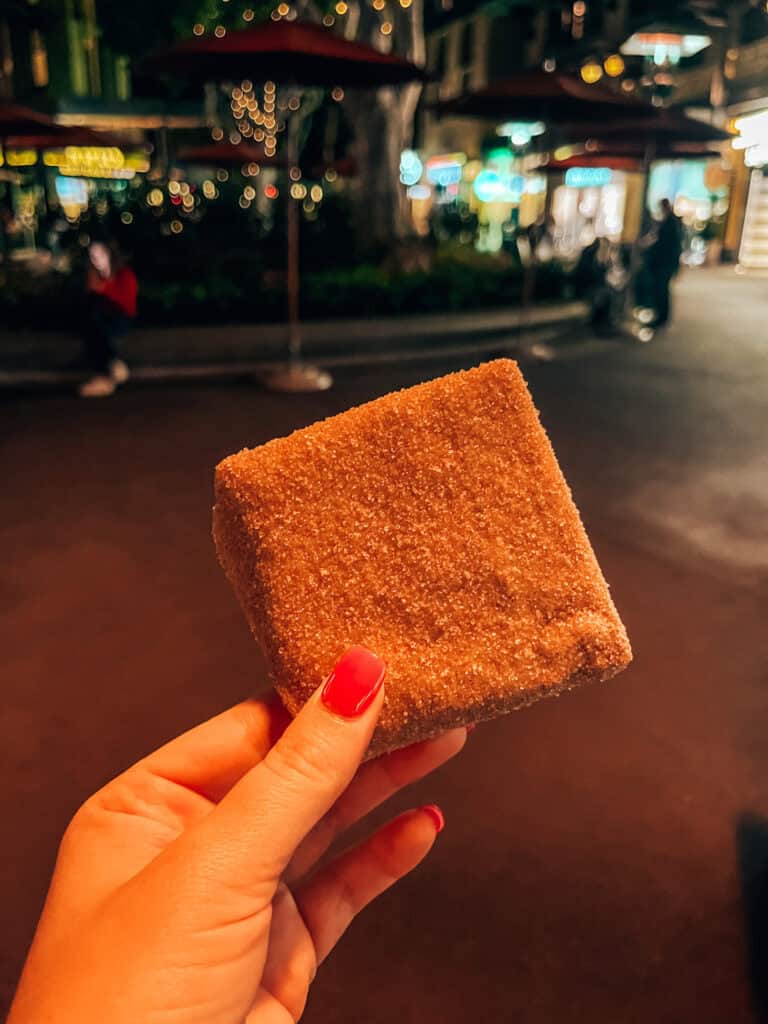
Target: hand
(184,890)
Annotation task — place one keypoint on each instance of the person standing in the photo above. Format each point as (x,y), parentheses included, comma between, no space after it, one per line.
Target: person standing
(111,292)
(664,260)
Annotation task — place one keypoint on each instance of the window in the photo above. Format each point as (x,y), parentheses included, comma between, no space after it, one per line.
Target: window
(39,58)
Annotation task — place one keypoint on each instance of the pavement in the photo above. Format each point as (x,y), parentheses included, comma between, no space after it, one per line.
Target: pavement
(605,857)
(34,357)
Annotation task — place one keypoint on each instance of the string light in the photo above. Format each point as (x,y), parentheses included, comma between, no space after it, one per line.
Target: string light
(298,192)
(579,9)
(591,72)
(155,197)
(328,20)
(316,193)
(282,9)
(222,174)
(173,188)
(271,192)
(337,94)
(275,16)
(126,217)
(614,65)
(406,3)
(198,29)
(249,192)
(246,85)
(244,203)
(331,175)
(217,134)
(209,189)
(378,5)
(248,14)
(293,103)
(177,227)
(386,28)
(219,31)
(235,138)
(341,7)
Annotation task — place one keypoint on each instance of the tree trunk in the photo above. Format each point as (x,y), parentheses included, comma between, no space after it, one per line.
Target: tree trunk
(382,122)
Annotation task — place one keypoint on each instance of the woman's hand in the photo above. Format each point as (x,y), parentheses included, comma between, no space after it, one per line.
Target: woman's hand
(184,891)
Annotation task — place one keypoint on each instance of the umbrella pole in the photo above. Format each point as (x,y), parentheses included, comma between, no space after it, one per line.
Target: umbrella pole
(636,256)
(294,328)
(298,376)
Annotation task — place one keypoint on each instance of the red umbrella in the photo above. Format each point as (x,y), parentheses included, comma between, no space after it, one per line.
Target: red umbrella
(661,127)
(56,136)
(220,153)
(298,52)
(17,120)
(542,96)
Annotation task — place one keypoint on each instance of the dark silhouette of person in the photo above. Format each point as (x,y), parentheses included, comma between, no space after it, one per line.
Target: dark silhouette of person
(664,260)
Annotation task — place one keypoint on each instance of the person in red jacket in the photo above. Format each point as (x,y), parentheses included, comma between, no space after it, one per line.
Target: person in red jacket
(111,291)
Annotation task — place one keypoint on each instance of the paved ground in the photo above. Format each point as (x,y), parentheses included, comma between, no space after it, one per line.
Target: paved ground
(605,859)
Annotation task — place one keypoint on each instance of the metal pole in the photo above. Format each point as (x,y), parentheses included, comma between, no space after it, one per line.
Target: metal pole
(294,328)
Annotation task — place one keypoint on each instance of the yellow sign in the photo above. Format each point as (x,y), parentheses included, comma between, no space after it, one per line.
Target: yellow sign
(95,162)
(18,158)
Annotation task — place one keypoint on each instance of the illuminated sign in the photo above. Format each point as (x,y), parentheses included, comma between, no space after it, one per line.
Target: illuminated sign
(419,192)
(445,169)
(520,133)
(753,138)
(492,187)
(95,162)
(411,167)
(588,177)
(18,158)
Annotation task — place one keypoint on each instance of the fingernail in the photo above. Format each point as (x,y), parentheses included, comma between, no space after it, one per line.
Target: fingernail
(436,815)
(354,682)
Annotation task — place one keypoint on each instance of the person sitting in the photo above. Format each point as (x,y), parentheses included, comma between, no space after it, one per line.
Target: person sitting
(111,292)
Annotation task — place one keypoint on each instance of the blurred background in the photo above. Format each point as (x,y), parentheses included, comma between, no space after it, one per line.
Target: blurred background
(226,220)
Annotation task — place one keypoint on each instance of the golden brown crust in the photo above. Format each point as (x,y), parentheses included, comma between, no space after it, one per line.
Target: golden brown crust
(433,526)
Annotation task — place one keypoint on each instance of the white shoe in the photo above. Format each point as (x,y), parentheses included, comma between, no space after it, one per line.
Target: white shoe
(97,387)
(118,371)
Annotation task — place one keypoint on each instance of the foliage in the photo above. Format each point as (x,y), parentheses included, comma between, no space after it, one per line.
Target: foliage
(236,291)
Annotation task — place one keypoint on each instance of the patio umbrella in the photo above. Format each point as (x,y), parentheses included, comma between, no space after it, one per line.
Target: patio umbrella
(659,127)
(56,136)
(542,96)
(18,120)
(298,53)
(221,154)
(625,157)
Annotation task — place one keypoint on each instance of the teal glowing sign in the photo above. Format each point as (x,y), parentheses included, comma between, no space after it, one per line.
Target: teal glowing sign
(588,177)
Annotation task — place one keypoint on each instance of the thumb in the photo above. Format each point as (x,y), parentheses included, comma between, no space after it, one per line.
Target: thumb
(250,837)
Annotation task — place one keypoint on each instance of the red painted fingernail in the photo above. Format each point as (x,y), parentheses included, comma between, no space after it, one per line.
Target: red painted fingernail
(436,815)
(354,682)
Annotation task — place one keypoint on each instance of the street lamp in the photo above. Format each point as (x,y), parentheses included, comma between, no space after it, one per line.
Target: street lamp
(664,43)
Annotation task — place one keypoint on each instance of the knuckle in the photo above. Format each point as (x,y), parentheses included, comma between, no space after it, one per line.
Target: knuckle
(293,760)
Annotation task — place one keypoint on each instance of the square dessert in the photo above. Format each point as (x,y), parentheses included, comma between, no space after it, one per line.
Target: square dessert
(434,527)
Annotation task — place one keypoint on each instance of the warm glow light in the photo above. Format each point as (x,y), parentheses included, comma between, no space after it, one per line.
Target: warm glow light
(549,65)
(316,193)
(406,3)
(271,192)
(295,174)
(217,134)
(331,175)
(614,65)
(386,28)
(244,203)
(269,87)
(341,7)
(337,94)
(222,174)
(249,192)
(248,14)
(177,227)
(282,9)
(209,189)
(198,29)
(219,32)
(628,85)
(378,5)
(591,72)
(298,191)
(293,103)
(126,217)
(579,9)
(155,197)
(328,20)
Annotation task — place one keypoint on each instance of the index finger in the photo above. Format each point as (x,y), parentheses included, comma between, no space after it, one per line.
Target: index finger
(210,758)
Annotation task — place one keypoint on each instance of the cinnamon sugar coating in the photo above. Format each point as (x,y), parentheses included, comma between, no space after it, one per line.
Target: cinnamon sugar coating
(433,526)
